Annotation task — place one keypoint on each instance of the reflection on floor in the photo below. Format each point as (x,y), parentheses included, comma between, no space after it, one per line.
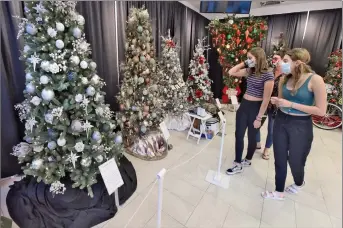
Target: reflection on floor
(189,201)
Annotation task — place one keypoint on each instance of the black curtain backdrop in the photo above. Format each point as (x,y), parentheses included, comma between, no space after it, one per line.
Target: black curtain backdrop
(292,25)
(12,86)
(323,35)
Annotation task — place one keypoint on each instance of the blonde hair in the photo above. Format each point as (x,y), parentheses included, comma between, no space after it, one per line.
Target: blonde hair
(261,64)
(303,57)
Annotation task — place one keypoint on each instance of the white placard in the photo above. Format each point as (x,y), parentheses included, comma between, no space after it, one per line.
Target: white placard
(219,105)
(234,100)
(165,130)
(111,175)
(221,116)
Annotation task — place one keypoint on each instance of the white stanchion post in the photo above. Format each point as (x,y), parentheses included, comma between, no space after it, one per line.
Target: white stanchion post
(215,177)
(160,177)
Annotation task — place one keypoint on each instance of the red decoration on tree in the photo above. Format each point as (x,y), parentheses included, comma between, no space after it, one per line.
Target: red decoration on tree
(333,77)
(233,49)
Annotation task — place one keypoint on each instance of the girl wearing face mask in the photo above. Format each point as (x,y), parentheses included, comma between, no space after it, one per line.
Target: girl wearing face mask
(260,82)
(302,93)
(271,110)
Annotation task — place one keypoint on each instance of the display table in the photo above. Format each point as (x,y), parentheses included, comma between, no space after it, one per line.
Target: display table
(202,129)
(31,204)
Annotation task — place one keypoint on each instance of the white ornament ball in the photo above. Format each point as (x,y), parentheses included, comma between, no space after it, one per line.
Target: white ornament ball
(92,65)
(28,76)
(86,162)
(83,64)
(118,139)
(30,88)
(52,145)
(31,29)
(96,136)
(59,27)
(61,141)
(80,20)
(47,94)
(90,91)
(59,44)
(76,125)
(78,98)
(95,79)
(44,79)
(37,163)
(45,65)
(84,80)
(26,48)
(75,59)
(99,158)
(77,32)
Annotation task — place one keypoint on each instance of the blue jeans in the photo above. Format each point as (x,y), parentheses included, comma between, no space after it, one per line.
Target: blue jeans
(269,140)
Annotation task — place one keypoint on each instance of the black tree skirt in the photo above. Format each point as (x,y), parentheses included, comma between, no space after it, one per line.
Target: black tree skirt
(31,205)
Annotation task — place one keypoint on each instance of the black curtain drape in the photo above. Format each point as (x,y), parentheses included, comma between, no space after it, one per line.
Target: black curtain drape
(216,71)
(12,86)
(100,30)
(292,25)
(323,35)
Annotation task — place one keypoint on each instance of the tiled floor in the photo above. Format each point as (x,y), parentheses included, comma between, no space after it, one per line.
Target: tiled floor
(191,202)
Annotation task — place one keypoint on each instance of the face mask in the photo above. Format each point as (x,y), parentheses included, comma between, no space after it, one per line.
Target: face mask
(285,68)
(250,63)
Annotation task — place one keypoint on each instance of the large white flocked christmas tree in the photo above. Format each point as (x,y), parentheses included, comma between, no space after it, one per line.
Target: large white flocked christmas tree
(69,129)
(174,91)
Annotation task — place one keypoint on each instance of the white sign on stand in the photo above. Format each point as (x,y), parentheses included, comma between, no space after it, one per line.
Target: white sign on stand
(165,130)
(234,100)
(219,105)
(216,177)
(112,178)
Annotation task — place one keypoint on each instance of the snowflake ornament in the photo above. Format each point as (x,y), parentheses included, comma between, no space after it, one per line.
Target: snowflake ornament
(30,123)
(57,188)
(87,127)
(79,146)
(34,59)
(73,158)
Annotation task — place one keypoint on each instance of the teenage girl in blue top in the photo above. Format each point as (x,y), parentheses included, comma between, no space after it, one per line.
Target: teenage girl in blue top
(302,93)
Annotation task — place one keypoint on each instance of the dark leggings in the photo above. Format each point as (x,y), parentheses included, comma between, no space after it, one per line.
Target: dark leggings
(245,117)
(292,138)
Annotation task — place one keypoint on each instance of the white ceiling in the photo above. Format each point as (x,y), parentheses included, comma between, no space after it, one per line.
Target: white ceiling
(283,8)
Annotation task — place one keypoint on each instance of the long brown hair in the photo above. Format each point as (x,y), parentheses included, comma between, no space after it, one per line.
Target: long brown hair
(261,64)
(304,57)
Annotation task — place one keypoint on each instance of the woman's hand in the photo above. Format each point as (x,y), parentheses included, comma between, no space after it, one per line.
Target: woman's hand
(280,102)
(257,124)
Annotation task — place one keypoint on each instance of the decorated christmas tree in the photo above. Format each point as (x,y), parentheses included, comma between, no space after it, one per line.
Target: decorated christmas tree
(278,46)
(69,129)
(174,91)
(198,82)
(233,37)
(139,99)
(333,77)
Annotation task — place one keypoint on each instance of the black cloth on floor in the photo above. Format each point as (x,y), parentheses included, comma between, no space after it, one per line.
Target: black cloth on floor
(31,204)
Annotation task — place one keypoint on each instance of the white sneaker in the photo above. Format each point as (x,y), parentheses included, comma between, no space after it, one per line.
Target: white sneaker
(246,163)
(237,168)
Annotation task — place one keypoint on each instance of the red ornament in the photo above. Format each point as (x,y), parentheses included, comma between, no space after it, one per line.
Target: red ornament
(189,99)
(238,32)
(249,40)
(191,78)
(201,60)
(147,81)
(238,41)
(198,93)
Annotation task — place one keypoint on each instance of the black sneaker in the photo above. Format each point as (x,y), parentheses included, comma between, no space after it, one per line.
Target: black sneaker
(246,163)
(237,168)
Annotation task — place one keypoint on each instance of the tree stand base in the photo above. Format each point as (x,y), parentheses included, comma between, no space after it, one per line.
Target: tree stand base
(31,204)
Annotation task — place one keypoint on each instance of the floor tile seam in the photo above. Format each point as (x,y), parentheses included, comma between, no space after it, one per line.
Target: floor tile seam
(327,208)
(196,206)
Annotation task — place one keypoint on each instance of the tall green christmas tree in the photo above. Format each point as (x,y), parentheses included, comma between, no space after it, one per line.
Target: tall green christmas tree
(69,128)
(174,91)
(140,103)
(333,77)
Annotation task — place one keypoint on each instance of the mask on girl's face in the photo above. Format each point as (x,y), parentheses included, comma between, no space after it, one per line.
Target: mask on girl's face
(250,63)
(285,68)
